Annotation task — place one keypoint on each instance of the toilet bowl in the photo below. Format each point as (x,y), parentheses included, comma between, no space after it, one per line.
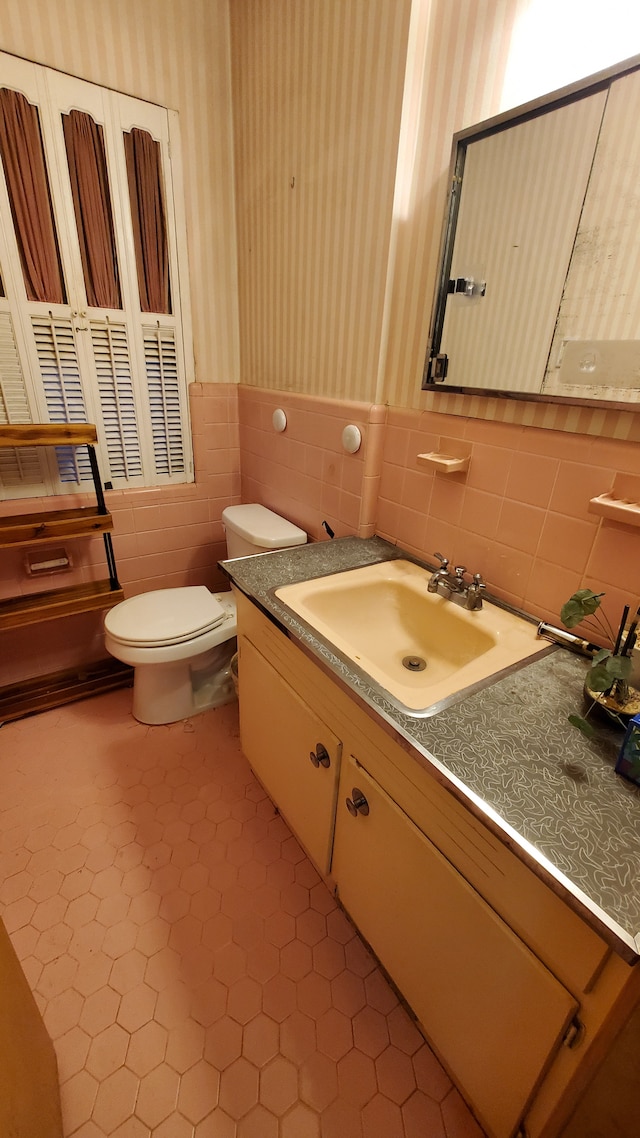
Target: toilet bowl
(180,641)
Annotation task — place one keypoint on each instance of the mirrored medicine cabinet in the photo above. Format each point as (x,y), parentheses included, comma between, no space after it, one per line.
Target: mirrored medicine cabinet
(538,293)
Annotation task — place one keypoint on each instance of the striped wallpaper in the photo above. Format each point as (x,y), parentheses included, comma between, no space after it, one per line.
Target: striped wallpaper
(317,97)
(460,82)
(177,54)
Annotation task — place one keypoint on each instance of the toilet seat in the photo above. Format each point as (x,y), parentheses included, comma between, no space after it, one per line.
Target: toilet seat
(164,617)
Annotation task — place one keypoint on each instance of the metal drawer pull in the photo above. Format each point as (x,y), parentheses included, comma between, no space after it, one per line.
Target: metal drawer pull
(357,804)
(320,757)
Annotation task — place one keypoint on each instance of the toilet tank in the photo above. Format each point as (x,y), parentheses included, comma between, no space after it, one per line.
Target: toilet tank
(254,529)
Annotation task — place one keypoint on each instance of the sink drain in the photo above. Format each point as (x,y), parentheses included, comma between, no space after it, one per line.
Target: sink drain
(414,663)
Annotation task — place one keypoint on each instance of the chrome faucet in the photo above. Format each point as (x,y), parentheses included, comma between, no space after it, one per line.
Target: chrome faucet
(453,587)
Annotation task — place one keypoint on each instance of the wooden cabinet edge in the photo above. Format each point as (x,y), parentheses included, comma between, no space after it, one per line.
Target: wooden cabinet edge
(603,1016)
(29,1094)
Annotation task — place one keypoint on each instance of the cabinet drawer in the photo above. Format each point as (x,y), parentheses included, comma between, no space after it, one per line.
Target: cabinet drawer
(279,735)
(492,1011)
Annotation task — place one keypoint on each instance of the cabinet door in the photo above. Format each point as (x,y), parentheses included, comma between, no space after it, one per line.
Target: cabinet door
(492,1011)
(280,733)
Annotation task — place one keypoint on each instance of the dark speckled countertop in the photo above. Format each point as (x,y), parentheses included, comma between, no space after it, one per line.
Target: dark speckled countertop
(507,750)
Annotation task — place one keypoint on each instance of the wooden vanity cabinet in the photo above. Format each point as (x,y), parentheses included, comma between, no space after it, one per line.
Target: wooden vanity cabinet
(520,997)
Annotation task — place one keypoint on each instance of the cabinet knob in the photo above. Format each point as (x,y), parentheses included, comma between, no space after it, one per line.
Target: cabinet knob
(320,757)
(357,804)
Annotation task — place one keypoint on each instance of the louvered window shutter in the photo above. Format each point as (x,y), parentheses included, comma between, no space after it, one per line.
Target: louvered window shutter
(63,391)
(113,366)
(20,468)
(124,369)
(164,399)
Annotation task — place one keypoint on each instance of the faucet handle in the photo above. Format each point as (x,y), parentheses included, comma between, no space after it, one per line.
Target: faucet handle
(444,561)
(460,571)
(478,582)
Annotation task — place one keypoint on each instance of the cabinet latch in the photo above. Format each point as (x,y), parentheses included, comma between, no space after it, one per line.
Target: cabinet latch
(574,1033)
(438,368)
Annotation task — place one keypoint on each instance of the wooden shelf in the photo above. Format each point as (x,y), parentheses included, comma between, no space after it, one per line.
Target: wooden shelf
(35,607)
(41,693)
(32,529)
(47,434)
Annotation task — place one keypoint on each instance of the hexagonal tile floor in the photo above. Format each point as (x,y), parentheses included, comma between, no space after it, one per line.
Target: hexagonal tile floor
(196,975)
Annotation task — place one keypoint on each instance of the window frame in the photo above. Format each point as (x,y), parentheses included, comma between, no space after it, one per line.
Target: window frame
(55,93)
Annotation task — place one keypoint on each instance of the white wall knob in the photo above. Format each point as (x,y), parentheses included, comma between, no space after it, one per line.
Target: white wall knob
(279,419)
(351,438)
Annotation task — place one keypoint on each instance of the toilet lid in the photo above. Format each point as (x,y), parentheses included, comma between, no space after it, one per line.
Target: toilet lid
(164,616)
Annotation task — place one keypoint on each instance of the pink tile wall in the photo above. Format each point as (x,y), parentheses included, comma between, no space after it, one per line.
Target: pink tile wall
(163,537)
(304,473)
(520,515)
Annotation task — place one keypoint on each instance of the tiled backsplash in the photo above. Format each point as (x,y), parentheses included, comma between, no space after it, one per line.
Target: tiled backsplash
(519,516)
(305,473)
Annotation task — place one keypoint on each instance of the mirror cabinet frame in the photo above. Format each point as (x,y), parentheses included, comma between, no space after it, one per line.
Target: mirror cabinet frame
(435,369)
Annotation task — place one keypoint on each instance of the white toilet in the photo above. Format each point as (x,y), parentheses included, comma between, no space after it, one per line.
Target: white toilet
(180,641)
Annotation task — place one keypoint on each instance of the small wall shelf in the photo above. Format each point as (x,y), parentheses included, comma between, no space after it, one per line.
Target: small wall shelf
(33,529)
(444,463)
(617,509)
(449,456)
(620,504)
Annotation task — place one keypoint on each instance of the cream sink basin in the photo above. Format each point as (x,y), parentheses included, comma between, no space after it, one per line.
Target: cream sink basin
(381,615)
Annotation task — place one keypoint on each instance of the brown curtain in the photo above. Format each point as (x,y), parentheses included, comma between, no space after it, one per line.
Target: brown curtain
(28,186)
(92,204)
(144,174)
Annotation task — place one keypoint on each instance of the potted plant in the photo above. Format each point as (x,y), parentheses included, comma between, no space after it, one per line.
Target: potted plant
(607,681)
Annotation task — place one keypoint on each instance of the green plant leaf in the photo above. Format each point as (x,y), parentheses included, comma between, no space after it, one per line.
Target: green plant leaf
(581,604)
(603,654)
(599,678)
(582,725)
(619,667)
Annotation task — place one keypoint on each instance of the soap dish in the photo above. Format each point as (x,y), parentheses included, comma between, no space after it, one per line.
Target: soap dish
(444,463)
(617,509)
(621,503)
